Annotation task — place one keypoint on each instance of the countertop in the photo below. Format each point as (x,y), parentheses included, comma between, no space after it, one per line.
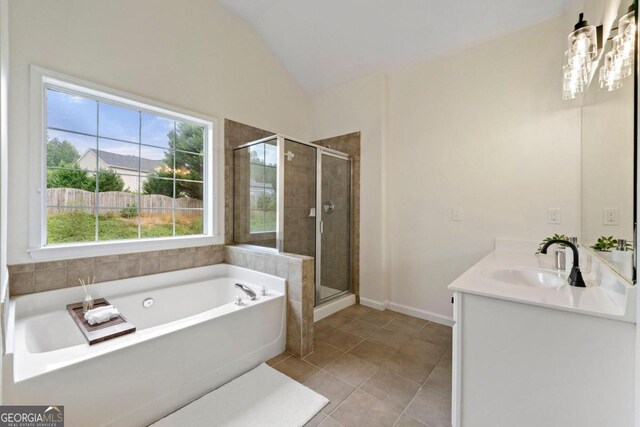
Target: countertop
(606,295)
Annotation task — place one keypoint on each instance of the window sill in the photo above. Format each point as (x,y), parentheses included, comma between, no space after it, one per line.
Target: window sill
(85,250)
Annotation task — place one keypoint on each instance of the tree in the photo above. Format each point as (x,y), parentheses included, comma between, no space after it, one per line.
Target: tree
(188,140)
(80,179)
(108,180)
(67,178)
(61,153)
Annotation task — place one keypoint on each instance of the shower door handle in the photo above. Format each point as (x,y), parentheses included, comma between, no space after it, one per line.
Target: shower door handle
(321,227)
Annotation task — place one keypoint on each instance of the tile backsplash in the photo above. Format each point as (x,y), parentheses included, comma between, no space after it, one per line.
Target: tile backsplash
(46,276)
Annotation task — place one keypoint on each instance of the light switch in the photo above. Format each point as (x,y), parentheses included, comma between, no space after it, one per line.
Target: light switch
(456,214)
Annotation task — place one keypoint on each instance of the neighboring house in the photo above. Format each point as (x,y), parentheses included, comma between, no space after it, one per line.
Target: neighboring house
(121,164)
(268,188)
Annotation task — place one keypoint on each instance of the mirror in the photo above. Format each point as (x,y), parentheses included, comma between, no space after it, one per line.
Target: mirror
(608,174)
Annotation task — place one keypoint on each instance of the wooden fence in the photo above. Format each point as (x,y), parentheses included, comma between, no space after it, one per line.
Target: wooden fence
(61,200)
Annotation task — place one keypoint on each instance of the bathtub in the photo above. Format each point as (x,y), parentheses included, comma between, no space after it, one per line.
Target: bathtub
(192,340)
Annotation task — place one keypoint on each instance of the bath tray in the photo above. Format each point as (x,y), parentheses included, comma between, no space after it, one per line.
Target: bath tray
(103,331)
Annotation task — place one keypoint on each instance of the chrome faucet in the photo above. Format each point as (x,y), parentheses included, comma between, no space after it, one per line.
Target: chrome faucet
(575,277)
(247,290)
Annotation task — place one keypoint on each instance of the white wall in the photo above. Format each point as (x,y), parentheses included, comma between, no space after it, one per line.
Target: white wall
(194,56)
(360,105)
(4,80)
(483,129)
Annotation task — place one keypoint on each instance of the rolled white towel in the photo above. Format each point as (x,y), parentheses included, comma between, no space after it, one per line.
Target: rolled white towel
(96,310)
(103,316)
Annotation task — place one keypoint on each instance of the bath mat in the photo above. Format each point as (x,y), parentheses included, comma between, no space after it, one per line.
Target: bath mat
(262,397)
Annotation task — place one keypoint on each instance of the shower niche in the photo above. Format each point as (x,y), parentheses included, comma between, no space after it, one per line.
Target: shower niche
(296,197)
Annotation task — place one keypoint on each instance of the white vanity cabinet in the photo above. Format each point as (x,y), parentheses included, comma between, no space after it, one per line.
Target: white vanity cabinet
(526,365)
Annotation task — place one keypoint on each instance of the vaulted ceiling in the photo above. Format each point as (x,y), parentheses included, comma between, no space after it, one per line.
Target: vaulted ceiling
(325,42)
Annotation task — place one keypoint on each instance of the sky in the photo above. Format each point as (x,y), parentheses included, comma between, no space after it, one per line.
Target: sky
(74,113)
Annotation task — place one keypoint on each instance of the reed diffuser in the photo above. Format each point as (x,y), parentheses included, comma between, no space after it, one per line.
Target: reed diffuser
(87,302)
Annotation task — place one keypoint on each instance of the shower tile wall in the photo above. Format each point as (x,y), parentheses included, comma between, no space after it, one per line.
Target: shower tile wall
(335,260)
(350,144)
(299,199)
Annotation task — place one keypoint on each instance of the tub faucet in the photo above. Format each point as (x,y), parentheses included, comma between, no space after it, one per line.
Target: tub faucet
(247,290)
(575,277)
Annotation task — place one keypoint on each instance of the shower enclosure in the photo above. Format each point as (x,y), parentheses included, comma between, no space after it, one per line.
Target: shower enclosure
(296,197)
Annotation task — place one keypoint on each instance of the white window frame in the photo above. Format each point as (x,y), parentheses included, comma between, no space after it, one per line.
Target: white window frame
(213,190)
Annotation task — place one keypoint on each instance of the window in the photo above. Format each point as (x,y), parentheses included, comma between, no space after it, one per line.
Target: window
(119,170)
(263,161)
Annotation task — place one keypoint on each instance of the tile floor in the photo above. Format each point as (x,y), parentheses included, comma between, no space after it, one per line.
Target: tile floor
(377,368)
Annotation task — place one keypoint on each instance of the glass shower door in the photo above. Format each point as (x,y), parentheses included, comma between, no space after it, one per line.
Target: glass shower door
(334,225)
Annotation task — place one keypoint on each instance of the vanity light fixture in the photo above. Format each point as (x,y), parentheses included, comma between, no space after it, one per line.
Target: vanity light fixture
(618,63)
(582,51)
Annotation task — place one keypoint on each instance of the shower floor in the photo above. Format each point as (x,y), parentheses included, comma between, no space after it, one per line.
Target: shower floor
(327,292)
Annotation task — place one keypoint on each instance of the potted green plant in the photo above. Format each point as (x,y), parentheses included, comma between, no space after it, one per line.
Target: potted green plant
(554,237)
(605,244)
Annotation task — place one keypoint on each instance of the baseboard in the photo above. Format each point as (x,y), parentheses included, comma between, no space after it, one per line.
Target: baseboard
(374,304)
(334,306)
(411,311)
(422,314)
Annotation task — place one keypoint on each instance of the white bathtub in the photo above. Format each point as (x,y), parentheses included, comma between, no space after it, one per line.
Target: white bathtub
(194,339)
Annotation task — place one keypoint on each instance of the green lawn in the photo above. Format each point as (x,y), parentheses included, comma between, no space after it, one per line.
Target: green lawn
(263,220)
(80,227)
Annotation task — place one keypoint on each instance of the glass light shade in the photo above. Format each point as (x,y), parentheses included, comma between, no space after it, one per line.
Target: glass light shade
(627,25)
(584,42)
(610,76)
(619,62)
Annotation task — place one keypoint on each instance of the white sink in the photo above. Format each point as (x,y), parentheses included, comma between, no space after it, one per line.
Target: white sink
(528,277)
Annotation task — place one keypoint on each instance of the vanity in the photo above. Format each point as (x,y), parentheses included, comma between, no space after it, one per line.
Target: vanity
(530,350)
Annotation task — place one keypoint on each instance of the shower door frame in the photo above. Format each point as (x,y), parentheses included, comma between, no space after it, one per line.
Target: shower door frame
(320,151)
(319,225)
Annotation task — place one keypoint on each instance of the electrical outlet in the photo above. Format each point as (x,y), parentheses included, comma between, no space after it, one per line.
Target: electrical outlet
(456,214)
(554,216)
(611,216)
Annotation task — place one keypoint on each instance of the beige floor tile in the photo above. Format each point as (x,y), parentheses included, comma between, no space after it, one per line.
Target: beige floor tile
(411,319)
(321,330)
(330,387)
(378,318)
(410,368)
(446,360)
(279,358)
(389,338)
(330,422)
(439,381)
(436,334)
(352,369)
(407,421)
(401,325)
(373,352)
(340,339)
(296,369)
(338,319)
(363,409)
(430,408)
(323,354)
(315,421)
(423,350)
(391,388)
(360,328)
(357,309)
